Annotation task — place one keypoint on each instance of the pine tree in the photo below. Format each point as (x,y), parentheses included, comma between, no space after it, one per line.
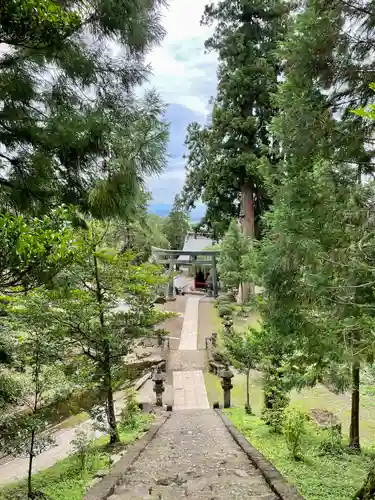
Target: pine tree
(72,131)
(313,262)
(176,226)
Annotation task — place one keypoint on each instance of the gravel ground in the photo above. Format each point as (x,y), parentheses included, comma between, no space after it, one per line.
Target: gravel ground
(193,456)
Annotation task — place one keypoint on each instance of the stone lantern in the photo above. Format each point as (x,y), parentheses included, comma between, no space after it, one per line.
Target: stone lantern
(158,380)
(226,384)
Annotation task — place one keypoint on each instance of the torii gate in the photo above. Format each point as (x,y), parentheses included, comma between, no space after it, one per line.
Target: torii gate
(170,257)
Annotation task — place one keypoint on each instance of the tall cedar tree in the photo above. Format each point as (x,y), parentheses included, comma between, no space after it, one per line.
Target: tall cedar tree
(232,258)
(71,129)
(227,159)
(176,226)
(314,266)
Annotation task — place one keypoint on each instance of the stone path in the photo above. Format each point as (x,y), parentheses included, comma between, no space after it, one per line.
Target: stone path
(189,333)
(189,391)
(193,456)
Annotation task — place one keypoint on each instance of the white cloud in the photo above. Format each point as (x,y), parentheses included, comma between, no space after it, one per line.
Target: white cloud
(185,77)
(180,64)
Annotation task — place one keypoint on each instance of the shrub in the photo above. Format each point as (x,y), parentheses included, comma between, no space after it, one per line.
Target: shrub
(294,430)
(331,443)
(82,447)
(222,299)
(224,310)
(231,296)
(130,412)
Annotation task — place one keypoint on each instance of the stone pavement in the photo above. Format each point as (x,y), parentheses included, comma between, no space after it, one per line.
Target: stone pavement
(189,391)
(189,333)
(193,456)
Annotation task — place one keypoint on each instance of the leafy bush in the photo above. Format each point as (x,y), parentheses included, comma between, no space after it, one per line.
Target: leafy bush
(83,449)
(130,413)
(225,310)
(294,430)
(230,296)
(221,300)
(331,443)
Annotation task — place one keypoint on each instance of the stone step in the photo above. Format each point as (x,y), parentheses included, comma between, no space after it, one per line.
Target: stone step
(193,456)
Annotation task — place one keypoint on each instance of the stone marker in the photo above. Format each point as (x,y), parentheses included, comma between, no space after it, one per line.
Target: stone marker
(226,384)
(158,380)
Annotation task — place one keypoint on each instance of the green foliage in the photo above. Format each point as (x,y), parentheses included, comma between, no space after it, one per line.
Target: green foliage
(225,310)
(242,349)
(138,232)
(72,129)
(316,477)
(130,413)
(294,430)
(34,250)
(313,262)
(66,480)
(25,432)
(331,443)
(82,447)
(176,226)
(232,258)
(103,304)
(367,491)
(36,23)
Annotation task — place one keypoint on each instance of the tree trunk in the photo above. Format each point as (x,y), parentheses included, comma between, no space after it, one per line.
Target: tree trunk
(367,492)
(354,417)
(111,415)
(31,458)
(248,407)
(248,229)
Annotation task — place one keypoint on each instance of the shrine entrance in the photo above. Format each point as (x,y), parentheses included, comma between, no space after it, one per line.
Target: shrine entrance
(203,261)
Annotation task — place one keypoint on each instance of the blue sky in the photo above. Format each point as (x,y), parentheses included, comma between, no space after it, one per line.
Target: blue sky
(185,77)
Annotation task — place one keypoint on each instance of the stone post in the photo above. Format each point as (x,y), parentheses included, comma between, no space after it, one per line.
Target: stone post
(170,295)
(226,384)
(214,276)
(158,380)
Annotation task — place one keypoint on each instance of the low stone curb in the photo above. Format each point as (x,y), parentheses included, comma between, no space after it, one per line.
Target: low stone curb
(106,487)
(276,481)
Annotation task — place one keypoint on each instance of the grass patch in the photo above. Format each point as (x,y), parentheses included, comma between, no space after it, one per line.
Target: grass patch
(74,420)
(316,397)
(65,480)
(317,477)
(238,393)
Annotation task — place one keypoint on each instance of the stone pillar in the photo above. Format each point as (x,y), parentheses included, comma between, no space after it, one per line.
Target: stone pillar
(170,295)
(158,380)
(214,276)
(226,384)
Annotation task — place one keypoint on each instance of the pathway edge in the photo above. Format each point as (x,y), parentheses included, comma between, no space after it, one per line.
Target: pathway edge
(278,484)
(106,487)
